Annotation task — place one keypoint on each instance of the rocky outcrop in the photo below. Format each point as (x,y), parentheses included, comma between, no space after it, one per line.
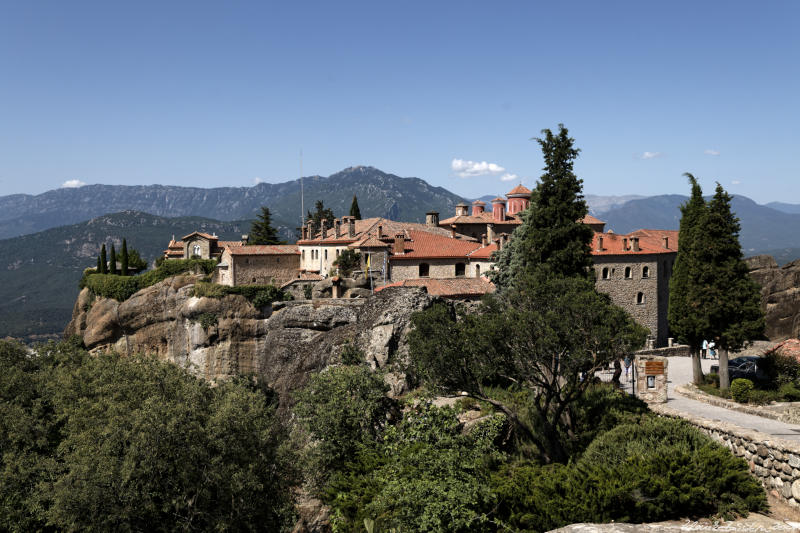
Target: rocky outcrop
(220,338)
(780,295)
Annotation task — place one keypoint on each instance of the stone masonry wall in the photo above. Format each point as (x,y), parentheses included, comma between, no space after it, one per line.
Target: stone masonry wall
(265,269)
(439,268)
(774,462)
(205,248)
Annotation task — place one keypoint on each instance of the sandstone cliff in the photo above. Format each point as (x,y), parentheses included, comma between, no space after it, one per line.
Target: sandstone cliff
(219,338)
(780,295)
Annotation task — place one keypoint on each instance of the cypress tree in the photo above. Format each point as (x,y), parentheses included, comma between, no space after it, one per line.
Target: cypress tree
(99,268)
(552,238)
(113,261)
(261,231)
(124,258)
(728,298)
(685,320)
(355,212)
(103,260)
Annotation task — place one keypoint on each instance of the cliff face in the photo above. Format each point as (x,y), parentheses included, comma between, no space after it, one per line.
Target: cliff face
(780,295)
(219,338)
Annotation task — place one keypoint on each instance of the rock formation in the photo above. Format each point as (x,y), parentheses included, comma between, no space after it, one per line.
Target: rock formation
(220,338)
(780,295)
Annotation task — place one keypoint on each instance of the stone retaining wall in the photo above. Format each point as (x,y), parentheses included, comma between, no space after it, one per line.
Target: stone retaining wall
(677,350)
(773,461)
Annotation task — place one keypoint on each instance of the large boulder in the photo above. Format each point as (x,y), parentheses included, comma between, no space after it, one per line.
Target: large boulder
(780,295)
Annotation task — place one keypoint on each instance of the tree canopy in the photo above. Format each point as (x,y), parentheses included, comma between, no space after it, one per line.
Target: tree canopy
(261,230)
(355,212)
(320,213)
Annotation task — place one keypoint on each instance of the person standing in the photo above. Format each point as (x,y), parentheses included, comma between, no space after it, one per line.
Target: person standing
(704,351)
(627,366)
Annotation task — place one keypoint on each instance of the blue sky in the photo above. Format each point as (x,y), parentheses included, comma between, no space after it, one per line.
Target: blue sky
(227,93)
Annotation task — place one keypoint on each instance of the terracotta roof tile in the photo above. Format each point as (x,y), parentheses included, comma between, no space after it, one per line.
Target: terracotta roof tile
(589,219)
(519,189)
(426,245)
(650,242)
(200,234)
(369,226)
(483,218)
(265,249)
(484,252)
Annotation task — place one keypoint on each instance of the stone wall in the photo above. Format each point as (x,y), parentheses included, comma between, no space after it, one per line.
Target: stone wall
(264,269)
(773,461)
(439,268)
(205,248)
(647,390)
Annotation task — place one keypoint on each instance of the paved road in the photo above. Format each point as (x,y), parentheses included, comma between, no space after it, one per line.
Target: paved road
(680,372)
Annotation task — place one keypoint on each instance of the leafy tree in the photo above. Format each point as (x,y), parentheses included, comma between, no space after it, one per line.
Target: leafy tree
(320,213)
(103,260)
(261,231)
(348,261)
(685,320)
(355,212)
(726,297)
(552,235)
(135,260)
(124,258)
(112,267)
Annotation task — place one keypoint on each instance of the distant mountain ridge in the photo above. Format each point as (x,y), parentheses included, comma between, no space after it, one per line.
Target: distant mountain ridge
(379,194)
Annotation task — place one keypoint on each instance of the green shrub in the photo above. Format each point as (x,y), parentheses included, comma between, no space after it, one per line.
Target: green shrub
(307,291)
(780,369)
(204,289)
(351,354)
(258,295)
(789,392)
(119,288)
(762,397)
(206,320)
(712,378)
(740,390)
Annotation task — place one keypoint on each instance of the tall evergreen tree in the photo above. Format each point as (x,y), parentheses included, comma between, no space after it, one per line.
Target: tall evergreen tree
(113,261)
(355,212)
(552,237)
(99,268)
(320,213)
(124,258)
(103,260)
(728,298)
(686,322)
(261,231)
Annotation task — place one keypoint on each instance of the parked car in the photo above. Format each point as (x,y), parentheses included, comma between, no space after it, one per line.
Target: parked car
(746,367)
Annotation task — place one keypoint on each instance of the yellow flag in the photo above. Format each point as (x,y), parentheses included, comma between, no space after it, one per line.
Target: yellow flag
(368,257)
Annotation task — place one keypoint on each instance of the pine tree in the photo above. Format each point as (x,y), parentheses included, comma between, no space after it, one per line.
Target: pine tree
(261,231)
(124,258)
(103,260)
(355,212)
(320,213)
(552,238)
(685,320)
(729,300)
(113,261)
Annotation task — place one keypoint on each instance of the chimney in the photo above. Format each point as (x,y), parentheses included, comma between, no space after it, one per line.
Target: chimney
(304,233)
(309,229)
(624,245)
(599,243)
(324,227)
(380,232)
(635,241)
(245,238)
(337,227)
(351,227)
(490,232)
(499,244)
(432,219)
(452,231)
(462,210)
(399,243)
(666,242)
(483,240)
(499,209)
(477,207)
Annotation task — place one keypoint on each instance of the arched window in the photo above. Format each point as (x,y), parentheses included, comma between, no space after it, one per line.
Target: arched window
(424,270)
(477,271)
(645,272)
(196,250)
(303,255)
(461,269)
(605,273)
(628,273)
(640,298)
(326,254)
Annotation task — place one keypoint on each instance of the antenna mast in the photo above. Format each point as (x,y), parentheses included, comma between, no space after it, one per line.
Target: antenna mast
(302,203)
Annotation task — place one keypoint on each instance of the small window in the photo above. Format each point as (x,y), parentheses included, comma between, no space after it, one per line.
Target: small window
(477,271)
(640,298)
(461,269)
(605,273)
(303,255)
(628,273)
(424,270)
(645,272)
(326,254)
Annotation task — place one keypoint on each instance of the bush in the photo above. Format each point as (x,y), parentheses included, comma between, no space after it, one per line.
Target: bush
(780,369)
(740,390)
(258,295)
(789,392)
(119,288)
(762,397)
(712,378)
(206,320)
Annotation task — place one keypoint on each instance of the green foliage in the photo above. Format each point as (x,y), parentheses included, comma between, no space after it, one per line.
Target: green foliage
(351,354)
(206,320)
(653,470)
(135,260)
(308,291)
(320,213)
(258,295)
(110,443)
(763,397)
(740,390)
(552,236)
(124,258)
(789,392)
(712,378)
(261,231)
(112,262)
(355,212)
(780,369)
(344,410)
(121,288)
(103,260)
(348,261)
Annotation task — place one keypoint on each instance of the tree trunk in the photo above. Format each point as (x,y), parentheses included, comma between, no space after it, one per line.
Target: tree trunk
(697,369)
(724,377)
(617,372)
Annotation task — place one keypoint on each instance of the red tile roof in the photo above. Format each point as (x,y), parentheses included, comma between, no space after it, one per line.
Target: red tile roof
(478,202)
(485,252)
(369,226)
(498,199)
(449,287)
(519,189)
(426,245)
(264,249)
(200,234)
(589,219)
(483,218)
(650,242)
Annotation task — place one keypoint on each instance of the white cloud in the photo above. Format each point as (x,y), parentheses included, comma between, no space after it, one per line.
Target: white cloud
(469,169)
(650,155)
(256,181)
(508,177)
(71,184)
(711,152)
(736,182)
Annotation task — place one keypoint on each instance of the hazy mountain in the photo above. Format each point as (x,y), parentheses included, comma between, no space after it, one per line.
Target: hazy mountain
(379,194)
(39,273)
(784,207)
(602,204)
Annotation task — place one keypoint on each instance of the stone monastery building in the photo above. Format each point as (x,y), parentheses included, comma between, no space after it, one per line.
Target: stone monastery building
(449,258)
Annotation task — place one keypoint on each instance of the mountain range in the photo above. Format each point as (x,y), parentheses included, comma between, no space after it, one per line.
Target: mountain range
(50,238)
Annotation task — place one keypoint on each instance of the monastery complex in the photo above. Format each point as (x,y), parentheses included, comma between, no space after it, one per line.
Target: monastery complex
(448,257)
